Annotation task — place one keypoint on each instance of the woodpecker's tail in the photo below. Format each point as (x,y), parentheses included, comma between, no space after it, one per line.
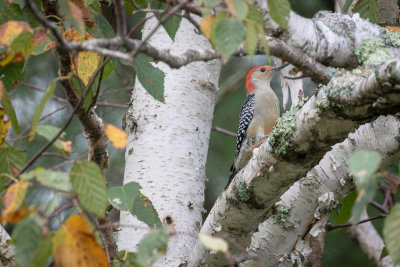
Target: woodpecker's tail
(232,174)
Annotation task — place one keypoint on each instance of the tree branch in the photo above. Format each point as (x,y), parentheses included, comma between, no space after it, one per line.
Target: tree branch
(317,194)
(297,143)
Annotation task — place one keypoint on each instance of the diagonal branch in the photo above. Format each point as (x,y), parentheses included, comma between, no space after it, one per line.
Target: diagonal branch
(298,142)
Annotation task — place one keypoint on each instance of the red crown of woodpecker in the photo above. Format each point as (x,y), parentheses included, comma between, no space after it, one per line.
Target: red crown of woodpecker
(249,84)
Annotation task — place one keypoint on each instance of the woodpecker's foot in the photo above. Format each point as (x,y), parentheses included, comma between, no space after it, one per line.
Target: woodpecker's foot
(259,142)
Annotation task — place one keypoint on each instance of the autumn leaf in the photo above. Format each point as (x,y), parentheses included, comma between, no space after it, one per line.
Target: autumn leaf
(84,63)
(75,245)
(12,202)
(42,41)
(115,135)
(4,125)
(206,25)
(86,15)
(16,38)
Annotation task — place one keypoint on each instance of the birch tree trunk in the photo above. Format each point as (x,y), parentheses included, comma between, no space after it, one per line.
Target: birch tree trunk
(167,151)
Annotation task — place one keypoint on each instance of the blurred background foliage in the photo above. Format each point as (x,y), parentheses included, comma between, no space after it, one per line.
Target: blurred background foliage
(42,69)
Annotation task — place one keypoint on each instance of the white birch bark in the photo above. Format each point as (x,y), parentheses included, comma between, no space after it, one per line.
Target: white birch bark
(319,124)
(330,38)
(167,151)
(279,242)
(7,255)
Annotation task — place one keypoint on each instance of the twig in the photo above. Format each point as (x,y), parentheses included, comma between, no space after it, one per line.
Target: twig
(113,105)
(161,21)
(379,207)
(330,227)
(223,131)
(53,154)
(76,108)
(32,6)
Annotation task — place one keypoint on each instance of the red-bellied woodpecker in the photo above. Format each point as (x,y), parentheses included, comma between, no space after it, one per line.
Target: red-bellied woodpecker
(257,116)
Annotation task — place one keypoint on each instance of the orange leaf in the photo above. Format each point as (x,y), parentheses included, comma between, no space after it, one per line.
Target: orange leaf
(393,28)
(116,135)
(206,25)
(12,202)
(84,63)
(67,147)
(75,245)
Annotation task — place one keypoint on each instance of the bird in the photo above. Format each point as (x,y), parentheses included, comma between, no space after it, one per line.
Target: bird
(258,115)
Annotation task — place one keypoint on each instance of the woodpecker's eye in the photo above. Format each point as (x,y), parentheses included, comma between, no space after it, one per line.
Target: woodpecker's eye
(262,69)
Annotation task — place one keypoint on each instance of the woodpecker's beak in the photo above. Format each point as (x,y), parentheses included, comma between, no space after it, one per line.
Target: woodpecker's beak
(280,67)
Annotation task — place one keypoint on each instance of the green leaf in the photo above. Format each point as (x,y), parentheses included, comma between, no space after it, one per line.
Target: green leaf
(363,165)
(344,213)
(152,247)
(43,253)
(391,233)
(210,3)
(106,31)
(48,132)
(227,35)
(9,158)
(279,10)
(171,26)
(129,198)
(40,107)
(54,179)
(12,74)
(80,88)
(240,8)
(123,197)
(68,13)
(23,44)
(5,101)
(144,210)
(368,9)
(90,186)
(151,78)
(26,236)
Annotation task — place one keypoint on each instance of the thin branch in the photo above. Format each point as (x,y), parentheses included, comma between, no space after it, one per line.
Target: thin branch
(112,105)
(223,131)
(120,16)
(161,21)
(52,154)
(379,207)
(330,227)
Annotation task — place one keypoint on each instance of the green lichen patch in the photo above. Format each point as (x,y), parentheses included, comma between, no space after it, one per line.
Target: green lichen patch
(281,214)
(243,193)
(372,51)
(280,136)
(393,37)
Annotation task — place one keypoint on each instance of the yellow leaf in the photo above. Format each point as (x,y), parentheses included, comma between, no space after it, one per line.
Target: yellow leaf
(12,202)
(115,135)
(9,31)
(4,125)
(214,243)
(393,28)
(75,245)
(206,25)
(84,63)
